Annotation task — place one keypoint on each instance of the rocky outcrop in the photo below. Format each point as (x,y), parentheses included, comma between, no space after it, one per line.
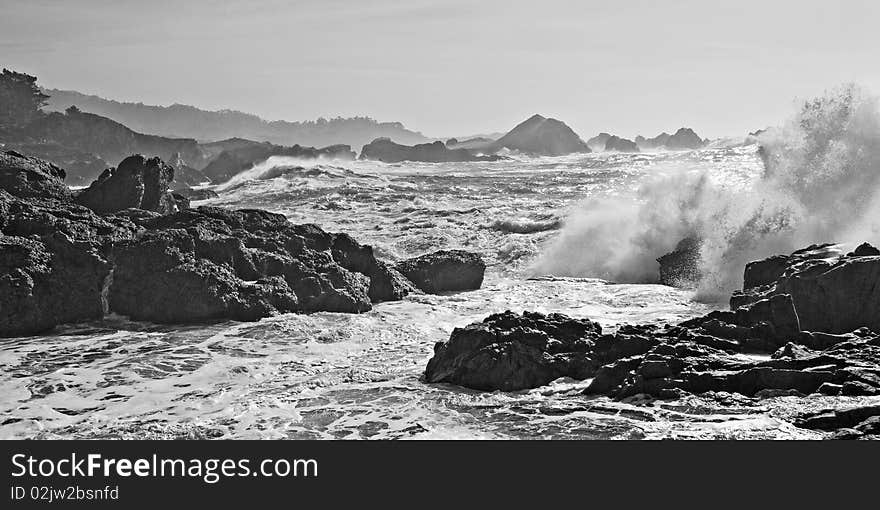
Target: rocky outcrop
(138,183)
(541,136)
(597,143)
(684,139)
(81,168)
(28,177)
(245,154)
(510,352)
(832,292)
(657,142)
(681,267)
(444,271)
(815,343)
(618,144)
(61,262)
(383,149)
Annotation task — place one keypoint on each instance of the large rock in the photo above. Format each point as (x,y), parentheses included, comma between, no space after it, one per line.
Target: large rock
(444,271)
(657,142)
(618,144)
(138,183)
(385,150)
(832,293)
(28,177)
(684,139)
(597,143)
(542,136)
(210,263)
(510,352)
(53,265)
(61,262)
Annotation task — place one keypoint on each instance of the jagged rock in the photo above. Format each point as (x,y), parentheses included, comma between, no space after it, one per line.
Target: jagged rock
(653,143)
(616,143)
(541,136)
(681,267)
(831,292)
(53,268)
(597,143)
(444,271)
(61,262)
(138,182)
(684,139)
(510,352)
(830,419)
(28,177)
(385,150)
(243,265)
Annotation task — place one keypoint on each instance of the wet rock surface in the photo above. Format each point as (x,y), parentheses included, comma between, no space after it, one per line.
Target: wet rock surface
(139,251)
(832,292)
(772,344)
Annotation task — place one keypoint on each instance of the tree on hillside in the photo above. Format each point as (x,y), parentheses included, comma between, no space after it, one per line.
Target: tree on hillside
(20,100)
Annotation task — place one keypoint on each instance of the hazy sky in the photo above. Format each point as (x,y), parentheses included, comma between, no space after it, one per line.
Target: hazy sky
(449,67)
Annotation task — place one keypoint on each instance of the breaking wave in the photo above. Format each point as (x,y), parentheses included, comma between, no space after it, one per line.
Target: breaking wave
(820,183)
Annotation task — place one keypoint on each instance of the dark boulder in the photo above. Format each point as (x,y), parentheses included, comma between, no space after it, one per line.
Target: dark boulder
(138,182)
(243,265)
(510,352)
(681,267)
(444,271)
(864,250)
(28,177)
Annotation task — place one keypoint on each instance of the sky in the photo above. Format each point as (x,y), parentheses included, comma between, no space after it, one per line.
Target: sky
(451,67)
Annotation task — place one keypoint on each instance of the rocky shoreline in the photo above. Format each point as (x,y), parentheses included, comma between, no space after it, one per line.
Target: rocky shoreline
(804,324)
(128,245)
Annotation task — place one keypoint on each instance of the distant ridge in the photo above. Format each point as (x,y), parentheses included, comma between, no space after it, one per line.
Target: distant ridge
(186,121)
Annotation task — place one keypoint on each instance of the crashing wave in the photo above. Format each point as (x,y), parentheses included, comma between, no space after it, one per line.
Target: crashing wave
(820,183)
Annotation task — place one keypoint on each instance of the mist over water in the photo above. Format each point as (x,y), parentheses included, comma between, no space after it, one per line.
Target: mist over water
(818,181)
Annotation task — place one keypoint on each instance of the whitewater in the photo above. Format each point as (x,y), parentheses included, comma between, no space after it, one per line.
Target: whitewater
(578,234)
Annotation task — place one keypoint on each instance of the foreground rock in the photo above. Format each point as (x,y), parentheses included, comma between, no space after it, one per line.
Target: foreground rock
(444,271)
(28,177)
(510,352)
(138,183)
(62,262)
(767,346)
(832,292)
(210,263)
(383,149)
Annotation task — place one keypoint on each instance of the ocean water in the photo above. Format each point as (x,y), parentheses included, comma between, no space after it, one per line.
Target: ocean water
(558,235)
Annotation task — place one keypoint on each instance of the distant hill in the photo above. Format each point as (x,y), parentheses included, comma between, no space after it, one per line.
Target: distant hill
(185,121)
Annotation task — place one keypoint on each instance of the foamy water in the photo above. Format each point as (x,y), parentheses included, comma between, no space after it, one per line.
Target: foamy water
(358,376)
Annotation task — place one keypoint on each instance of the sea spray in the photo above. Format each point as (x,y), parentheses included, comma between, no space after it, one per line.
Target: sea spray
(820,183)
